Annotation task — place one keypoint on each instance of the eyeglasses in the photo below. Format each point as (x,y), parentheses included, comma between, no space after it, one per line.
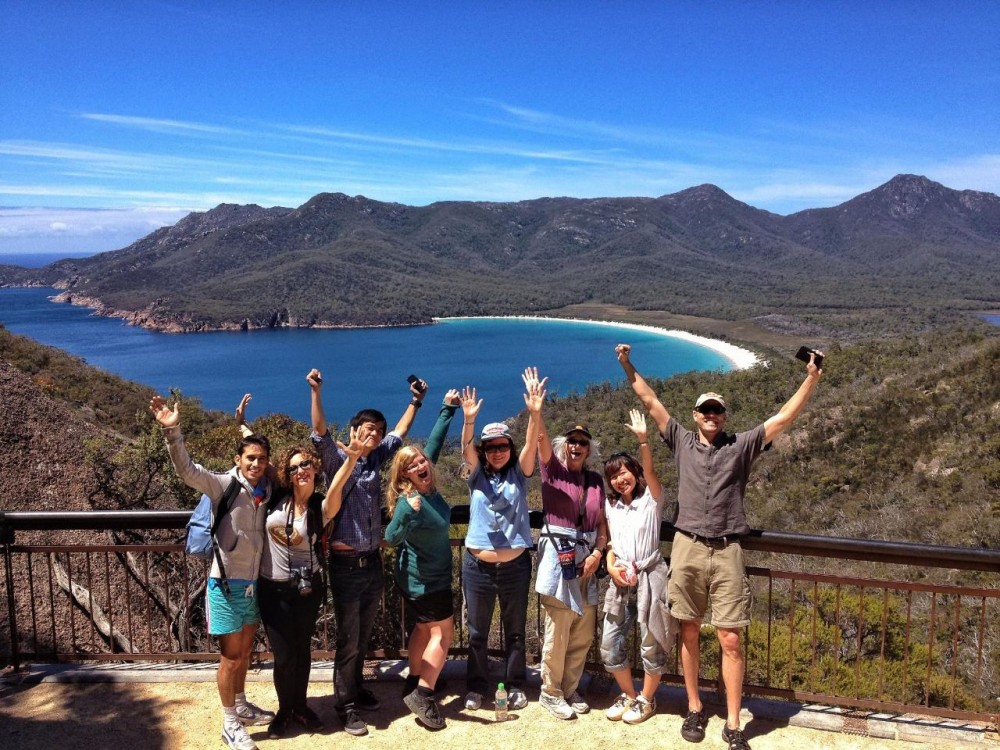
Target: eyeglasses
(711,409)
(578,441)
(294,469)
(496,448)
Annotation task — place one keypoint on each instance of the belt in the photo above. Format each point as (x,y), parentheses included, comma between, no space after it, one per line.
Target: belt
(354,559)
(715,542)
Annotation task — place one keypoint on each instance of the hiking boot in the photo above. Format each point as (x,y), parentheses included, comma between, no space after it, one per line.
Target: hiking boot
(516,699)
(693,728)
(353,723)
(280,725)
(236,738)
(577,703)
(735,739)
(367,700)
(425,709)
(619,707)
(308,719)
(640,710)
(251,715)
(557,706)
(473,701)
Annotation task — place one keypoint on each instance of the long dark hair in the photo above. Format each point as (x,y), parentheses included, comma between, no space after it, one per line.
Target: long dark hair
(614,464)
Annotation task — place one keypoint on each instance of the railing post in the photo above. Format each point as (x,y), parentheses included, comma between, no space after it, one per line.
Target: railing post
(6,540)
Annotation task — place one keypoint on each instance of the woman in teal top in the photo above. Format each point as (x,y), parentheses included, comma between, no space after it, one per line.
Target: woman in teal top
(419,529)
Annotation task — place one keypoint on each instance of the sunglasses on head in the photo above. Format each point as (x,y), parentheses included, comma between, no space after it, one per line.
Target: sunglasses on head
(711,409)
(295,468)
(583,442)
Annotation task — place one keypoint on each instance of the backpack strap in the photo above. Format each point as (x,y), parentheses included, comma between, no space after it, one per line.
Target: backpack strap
(231,493)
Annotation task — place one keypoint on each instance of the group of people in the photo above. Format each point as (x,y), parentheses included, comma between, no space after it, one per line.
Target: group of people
(281,530)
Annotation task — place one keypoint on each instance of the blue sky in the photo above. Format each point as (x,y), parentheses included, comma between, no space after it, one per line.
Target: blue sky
(119,117)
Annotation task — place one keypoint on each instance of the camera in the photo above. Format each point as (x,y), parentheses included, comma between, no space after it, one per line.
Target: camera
(303,580)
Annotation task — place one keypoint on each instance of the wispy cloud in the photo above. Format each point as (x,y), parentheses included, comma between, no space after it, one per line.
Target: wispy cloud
(156,125)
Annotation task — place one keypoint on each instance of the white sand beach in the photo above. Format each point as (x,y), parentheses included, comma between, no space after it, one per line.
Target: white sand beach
(740,358)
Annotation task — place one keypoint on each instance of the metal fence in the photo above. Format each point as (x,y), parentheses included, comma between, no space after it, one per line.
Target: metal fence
(889,640)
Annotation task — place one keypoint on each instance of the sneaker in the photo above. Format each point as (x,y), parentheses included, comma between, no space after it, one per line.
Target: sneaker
(693,728)
(236,738)
(308,719)
(353,723)
(516,699)
(577,703)
(640,710)
(619,707)
(280,725)
(251,715)
(425,709)
(474,701)
(735,738)
(367,700)
(557,706)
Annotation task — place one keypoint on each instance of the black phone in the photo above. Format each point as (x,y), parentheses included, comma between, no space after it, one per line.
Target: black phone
(414,380)
(804,352)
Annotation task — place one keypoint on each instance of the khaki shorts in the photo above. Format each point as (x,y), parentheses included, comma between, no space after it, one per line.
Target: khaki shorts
(703,576)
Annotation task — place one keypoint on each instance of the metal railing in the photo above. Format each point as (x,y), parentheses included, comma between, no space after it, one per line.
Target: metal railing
(889,642)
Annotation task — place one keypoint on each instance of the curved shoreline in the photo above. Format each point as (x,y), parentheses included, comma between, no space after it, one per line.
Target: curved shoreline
(740,358)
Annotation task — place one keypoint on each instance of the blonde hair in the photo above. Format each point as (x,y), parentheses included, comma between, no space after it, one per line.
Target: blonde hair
(398,485)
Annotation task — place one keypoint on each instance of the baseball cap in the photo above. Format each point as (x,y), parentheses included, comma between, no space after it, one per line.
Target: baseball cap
(710,397)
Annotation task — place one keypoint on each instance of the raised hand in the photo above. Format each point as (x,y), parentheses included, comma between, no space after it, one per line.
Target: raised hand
(534,395)
(314,378)
(470,406)
(354,447)
(418,389)
(638,425)
(452,397)
(811,367)
(622,352)
(241,409)
(163,414)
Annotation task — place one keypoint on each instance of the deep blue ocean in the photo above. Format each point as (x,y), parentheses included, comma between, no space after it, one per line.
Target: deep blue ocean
(361,367)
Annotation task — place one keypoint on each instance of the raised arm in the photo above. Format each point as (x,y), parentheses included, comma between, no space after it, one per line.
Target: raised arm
(435,441)
(192,474)
(335,494)
(530,378)
(641,388)
(316,413)
(787,414)
(241,416)
(470,409)
(638,426)
(417,392)
(534,398)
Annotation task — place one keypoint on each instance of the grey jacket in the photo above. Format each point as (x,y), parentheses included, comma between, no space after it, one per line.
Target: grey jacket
(241,533)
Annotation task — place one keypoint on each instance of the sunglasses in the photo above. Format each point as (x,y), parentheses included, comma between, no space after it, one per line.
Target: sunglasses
(712,409)
(578,441)
(294,469)
(495,448)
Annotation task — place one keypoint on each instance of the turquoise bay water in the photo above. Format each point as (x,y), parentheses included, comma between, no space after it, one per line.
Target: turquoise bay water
(361,367)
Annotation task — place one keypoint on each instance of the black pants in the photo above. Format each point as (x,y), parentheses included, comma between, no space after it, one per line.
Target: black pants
(357,593)
(290,620)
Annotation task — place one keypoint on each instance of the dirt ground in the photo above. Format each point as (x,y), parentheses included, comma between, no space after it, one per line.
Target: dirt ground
(186,715)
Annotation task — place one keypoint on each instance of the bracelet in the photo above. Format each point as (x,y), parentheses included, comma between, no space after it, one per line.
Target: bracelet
(643,444)
(416,403)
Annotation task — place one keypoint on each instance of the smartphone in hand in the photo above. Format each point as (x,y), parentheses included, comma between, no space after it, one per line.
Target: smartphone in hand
(804,352)
(414,380)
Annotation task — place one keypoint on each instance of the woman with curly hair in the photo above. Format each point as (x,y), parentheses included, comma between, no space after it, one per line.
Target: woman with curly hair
(291,584)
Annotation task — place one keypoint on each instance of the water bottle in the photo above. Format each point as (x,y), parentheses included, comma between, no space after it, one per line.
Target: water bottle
(500,701)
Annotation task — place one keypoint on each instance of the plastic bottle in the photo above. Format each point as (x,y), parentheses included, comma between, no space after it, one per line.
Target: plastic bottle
(500,701)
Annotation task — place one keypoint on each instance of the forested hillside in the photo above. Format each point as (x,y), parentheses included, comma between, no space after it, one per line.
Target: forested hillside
(900,441)
(907,256)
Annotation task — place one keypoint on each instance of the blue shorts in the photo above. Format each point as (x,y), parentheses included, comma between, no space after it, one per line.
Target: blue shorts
(229,614)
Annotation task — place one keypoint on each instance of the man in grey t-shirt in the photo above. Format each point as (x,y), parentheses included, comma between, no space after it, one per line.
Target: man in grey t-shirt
(706,560)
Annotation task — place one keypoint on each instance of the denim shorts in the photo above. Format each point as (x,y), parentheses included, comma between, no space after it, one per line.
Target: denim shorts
(229,614)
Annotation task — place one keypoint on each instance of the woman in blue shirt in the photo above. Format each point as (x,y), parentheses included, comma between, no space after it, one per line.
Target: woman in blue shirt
(495,564)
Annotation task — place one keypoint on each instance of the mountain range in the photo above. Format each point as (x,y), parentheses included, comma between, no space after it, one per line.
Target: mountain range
(907,252)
